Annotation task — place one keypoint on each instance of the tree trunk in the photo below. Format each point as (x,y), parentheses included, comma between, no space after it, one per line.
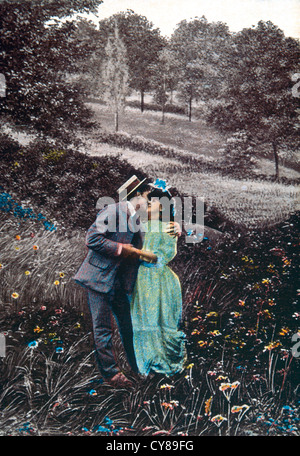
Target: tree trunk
(190,109)
(276,160)
(142,100)
(116,121)
(163,113)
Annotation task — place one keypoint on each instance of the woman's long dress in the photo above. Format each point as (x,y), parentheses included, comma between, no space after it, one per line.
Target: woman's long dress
(156,308)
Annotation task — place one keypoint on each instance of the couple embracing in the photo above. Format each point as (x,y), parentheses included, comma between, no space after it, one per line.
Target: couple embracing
(125,273)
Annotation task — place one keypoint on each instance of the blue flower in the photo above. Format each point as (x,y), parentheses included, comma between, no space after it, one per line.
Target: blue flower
(33,344)
(59,349)
(160,183)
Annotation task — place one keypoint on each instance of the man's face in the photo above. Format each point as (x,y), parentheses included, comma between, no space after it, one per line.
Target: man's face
(141,203)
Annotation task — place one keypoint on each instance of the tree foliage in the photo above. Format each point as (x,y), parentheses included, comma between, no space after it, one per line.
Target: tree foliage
(35,54)
(143,43)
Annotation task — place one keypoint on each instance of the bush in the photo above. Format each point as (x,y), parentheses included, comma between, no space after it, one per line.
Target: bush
(64,183)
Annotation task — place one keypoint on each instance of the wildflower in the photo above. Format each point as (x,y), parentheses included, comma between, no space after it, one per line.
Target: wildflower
(224,386)
(216,332)
(59,349)
(212,314)
(61,275)
(271,302)
(77,325)
(208,406)
(27,273)
(284,331)
(272,345)
(196,331)
(295,315)
(235,314)
(58,311)
(166,386)
(237,408)
(251,332)
(18,237)
(43,307)
(170,405)
(37,329)
(56,282)
(33,344)
(221,377)
(93,392)
(1,266)
(202,343)
(190,366)
(17,247)
(218,420)
(266,281)
(241,303)
(211,373)
(35,247)
(15,295)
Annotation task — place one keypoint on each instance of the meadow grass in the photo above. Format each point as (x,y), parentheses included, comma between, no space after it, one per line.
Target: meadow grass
(53,387)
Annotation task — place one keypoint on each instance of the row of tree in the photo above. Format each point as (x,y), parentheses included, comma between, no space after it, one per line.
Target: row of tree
(245,79)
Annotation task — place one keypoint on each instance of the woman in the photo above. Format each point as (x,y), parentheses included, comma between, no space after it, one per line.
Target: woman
(156,304)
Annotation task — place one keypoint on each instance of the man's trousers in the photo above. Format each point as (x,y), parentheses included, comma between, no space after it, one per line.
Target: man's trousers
(102,307)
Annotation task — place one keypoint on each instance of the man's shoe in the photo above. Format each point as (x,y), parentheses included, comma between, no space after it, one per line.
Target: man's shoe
(120,381)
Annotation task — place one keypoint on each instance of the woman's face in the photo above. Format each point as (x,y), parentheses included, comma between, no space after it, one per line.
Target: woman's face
(154,208)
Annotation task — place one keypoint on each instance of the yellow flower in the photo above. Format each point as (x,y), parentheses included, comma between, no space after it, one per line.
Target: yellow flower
(15,295)
(215,333)
(241,303)
(202,343)
(166,386)
(221,377)
(265,281)
(284,331)
(61,275)
(56,282)
(1,266)
(17,247)
(224,386)
(37,329)
(190,366)
(27,273)
(272,345)
(212,314)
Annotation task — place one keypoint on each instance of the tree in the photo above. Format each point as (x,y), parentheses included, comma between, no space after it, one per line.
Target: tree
(36,51)
(257,90)
(143,44)
(165,76)
(115,75)
(200,47)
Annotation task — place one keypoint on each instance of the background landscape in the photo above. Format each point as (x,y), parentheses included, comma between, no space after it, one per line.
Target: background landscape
(216,114)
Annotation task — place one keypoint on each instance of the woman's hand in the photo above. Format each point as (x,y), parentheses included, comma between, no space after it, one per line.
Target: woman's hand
(173,229)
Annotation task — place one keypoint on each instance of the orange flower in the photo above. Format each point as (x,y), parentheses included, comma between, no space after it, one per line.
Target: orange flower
(35,247)
(18,237)
(15,295)
(208,406)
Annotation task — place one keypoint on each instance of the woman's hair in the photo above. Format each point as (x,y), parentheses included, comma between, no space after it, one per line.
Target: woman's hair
(167,202)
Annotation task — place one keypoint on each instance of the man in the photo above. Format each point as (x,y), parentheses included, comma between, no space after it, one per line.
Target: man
(109,272)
